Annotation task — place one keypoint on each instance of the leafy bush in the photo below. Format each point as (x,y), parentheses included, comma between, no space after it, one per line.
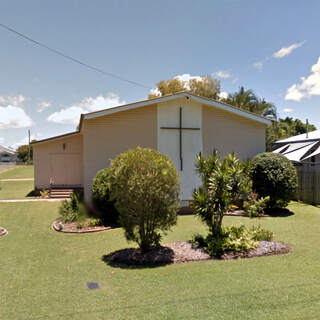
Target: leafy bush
(275,176)
(71,211)
(254,207)
(101,198)
(259,234)
(145,186)
(233,239)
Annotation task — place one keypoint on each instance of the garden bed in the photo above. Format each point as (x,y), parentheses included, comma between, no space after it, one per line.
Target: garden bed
(73,228)
(183,252)
(3,231)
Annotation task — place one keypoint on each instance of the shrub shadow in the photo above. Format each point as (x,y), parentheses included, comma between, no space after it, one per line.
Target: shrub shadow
(33,193)
(279,212)
(133,258)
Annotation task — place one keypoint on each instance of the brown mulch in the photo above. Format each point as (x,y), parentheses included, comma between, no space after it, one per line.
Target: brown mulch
(183,252)
(72,228)
(3,231)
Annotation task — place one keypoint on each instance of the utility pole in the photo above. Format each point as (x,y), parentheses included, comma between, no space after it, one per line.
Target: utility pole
(29,149)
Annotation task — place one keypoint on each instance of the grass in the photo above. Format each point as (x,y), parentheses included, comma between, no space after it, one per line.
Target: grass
(43,274)
(17,172)
(15,189)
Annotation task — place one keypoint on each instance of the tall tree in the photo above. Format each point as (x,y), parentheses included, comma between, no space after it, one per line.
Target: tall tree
(207,87)
(247,100)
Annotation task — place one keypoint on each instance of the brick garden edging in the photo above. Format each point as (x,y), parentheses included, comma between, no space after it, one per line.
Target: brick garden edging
(55,227)
(3,231)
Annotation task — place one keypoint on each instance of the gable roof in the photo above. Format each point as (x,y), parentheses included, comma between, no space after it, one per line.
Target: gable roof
(210,102)
(7,150)
(143,103)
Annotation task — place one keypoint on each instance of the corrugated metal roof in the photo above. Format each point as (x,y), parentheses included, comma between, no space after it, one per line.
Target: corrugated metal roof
(312,136)
(7,150)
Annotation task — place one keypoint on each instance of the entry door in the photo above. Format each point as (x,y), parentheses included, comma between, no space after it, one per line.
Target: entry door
(65,169)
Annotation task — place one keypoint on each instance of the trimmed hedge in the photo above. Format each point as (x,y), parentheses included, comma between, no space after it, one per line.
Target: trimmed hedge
(275,176)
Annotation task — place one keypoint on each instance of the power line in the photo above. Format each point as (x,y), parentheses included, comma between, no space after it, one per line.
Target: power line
(40,44)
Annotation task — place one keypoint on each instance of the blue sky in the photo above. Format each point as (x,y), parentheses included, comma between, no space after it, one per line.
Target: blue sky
(271,47)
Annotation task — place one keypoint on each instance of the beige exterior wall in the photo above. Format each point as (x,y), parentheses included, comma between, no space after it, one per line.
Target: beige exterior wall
(227,132)
(106,137)
(45,155)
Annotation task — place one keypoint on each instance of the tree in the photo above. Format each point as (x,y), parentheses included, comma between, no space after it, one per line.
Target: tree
(285,128)
(247,100)
(145,187)
(23,151)
(207,87)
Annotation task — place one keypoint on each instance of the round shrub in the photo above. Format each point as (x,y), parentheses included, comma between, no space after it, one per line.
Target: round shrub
(275,176)
(145,186)
(101,198)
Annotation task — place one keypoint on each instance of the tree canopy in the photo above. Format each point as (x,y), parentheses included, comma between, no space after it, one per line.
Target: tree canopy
(248,100)
(206,86)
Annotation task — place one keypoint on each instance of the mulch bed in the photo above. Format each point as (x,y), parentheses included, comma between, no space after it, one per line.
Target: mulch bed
(3,231)
(183,252)
(72,228)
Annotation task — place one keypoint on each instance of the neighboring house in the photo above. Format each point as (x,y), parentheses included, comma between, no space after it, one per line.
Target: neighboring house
(8,155)
(179,126)
(304,151)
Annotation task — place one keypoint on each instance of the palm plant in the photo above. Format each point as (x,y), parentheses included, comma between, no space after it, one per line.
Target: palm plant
(247,100)
(222,183)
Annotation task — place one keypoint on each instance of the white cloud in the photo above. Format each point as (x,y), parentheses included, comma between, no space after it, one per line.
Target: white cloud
(285,51)
(308,86)
(1,140)
(187,77)
(223,95)
(16,101)
(43,105)
(14,117)
(71,114)
(222,74)
(287,110)
(258,65)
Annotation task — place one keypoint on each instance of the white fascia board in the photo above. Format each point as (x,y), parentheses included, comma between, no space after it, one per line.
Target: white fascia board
(208,102)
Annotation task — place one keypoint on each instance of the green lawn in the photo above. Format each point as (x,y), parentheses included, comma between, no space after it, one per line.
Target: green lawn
(17,172)
(43,273)
(15,189)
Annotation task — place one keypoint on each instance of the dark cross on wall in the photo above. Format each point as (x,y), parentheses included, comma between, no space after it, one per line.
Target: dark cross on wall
(180,128)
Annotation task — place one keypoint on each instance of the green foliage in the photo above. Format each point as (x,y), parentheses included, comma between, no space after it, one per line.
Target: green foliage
(44,193)
(101,198)
(247,100)
(145,185)
(232,239)
(260,234)
(207,87)
(285,128)
(73,210)
(253,206)
(94,222)
(23,151)
(275,176)
(222,184)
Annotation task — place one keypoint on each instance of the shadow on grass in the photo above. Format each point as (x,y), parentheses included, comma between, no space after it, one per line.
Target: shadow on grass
(33,193)
(133,258)
(279,212)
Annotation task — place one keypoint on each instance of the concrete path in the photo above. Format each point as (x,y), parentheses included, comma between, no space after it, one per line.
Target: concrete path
(32,200)
(18,179)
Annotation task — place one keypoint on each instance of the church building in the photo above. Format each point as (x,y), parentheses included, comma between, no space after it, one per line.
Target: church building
(179,125)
